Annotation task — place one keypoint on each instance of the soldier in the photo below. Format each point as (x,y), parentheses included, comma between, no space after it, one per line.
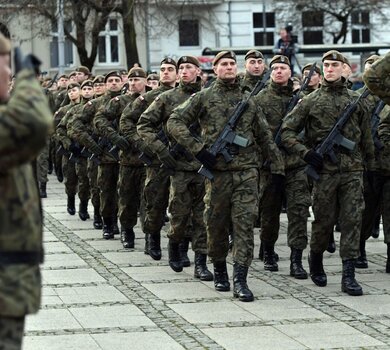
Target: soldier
(339,188)
(152,81)
(254,69)
(25,124)
(155,199)
(231,197)
(315,79)
(274,101)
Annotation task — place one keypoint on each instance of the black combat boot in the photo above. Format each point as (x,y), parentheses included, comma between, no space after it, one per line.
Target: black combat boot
(270,263)
(175,261)
(240,287)
(59,174)
(388,259)
(146,248)
(97,219)
(155,246)
(127,238)
(107,228)
(296,269)
(201,271)
(50,168)
(183,249)
(331,244)
(83,210)
(115,228)
(71,205)
(348,283)
(42,190)
(375,229)
(317,272)
(361,262)
(221,278)
(261,253)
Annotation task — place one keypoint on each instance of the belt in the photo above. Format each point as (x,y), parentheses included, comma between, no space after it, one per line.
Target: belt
(14,258)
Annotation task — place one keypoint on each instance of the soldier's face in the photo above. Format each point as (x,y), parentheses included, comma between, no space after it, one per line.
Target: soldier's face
(99,88)
(153,84)
(315,78)
(168,74)
(281,73)
(254,66)
(87,91)
(63,82)
(188,72)
(137,85)
(114,84)
(80,77)
(226,69)
(332,70)
(74,93)
(5,76)
(125,78)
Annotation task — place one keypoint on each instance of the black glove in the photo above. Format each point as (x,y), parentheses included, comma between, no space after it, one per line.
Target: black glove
(74,148)
(314,159)
(28,62)
(121,142)
(146,150)
(278,181)
(167,159)
(206,158)
(95,149)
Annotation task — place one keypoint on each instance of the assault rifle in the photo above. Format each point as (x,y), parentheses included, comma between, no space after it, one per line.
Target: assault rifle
(375,119)
(228,136)
(105,143)
(52,81)
(335,138)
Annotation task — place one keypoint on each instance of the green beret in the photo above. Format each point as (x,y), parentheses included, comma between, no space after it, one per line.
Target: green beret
(279,59)
(224,54)
(372,59)
(63,76)
(136,72)
(253,54)
(153,76)
(113,73)
(123,72)
(308,67)
(72,85)
(87,83)
(168,60)
(188,59)
(5,45)
(346,61)
(333,55)
(83,69)
(71,74)
(98,79)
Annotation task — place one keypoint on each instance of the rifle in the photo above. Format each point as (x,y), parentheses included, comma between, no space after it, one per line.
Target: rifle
(113,151)
(227,135)
(375,119)
(335,137)
(51,83)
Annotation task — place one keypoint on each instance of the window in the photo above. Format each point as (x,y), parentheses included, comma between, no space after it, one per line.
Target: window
(360,23)
(188,32)
(108,46)
(68,46)
(263,28)
(312,24)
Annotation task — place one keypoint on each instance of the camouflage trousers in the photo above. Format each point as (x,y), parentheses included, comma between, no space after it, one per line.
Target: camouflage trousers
(43,164)
(93,183)
(76,177)
(131,185)
(338,194)
(70,177)
(186,203)
(82,179)
(298,199)
(231,198)
(107,181)
(156,192)
(57,160)
(11,332)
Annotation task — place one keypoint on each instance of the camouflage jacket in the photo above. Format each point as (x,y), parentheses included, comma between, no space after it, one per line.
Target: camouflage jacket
(25,123)
(155,118)
(130,116)
(274,101)
(249,81)
(317,113)
(377,78)
(212,108)
(62,127)
(384,136)
(59,98)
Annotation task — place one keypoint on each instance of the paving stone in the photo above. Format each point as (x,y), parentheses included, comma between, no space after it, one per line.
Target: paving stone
(52,320)
(60,342)
(63,260)
(154,273)
(367,304)
(56,247)
(71,276)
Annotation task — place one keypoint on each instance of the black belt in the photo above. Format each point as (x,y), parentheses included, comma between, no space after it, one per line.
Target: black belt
(14,258)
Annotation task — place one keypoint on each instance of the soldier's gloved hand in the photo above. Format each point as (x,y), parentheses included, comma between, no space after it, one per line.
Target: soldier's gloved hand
(32,62)
(147,150)
(278,181)
(121,142)
(73,147)
(95,149)
(66,144)
(206,158)
(314,159)
(167,159)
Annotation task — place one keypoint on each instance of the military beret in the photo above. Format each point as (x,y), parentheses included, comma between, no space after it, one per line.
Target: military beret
(279,59)
(83,69)
(87,83)
(224,54)
(5,45)
(98,79)
(308,67)
(168,60)
(136,72)
(253,54)
(113,73)
(333,55)
(346,61)
(153,76)
(73,85)
(62,76)
(372,59)
(123,72)
(188,59)
(71,74)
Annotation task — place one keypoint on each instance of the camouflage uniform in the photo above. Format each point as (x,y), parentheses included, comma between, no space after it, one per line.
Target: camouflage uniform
(25,123)
(249,81)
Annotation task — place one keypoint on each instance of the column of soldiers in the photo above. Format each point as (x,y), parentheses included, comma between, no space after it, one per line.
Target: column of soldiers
(171,129)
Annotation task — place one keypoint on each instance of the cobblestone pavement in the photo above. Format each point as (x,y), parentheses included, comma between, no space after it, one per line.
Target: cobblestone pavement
(98,295)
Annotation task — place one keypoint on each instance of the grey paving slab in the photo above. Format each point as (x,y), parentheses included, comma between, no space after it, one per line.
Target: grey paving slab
(63,260)
(104,245)
(61,342)
(154,273)
(48,300)
(88,234)
(367,304)
(56,247)
(78,224)
(49,237)
(52,320)
(71,276)
(128,257)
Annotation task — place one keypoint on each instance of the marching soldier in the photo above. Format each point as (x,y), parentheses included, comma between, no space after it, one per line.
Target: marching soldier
(254,69)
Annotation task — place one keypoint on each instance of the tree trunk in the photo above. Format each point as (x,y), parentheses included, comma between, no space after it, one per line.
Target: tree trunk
(129,33)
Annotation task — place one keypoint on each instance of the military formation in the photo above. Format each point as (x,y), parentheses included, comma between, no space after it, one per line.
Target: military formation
(215,159)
